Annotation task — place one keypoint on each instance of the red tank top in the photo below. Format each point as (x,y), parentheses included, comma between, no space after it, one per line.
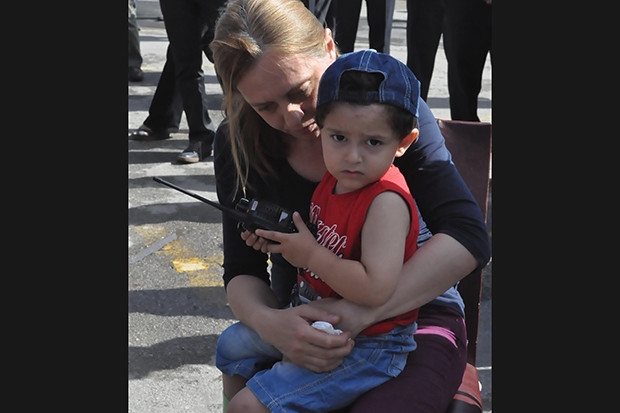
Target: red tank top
(339,220)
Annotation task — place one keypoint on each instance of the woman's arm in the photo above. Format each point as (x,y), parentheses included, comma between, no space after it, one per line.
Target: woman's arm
(434,267)
(444,200)
(288,329)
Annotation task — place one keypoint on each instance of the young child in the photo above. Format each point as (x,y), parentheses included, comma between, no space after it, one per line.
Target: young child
(367,226)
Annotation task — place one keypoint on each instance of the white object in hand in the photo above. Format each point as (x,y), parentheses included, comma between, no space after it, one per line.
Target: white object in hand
(327,327)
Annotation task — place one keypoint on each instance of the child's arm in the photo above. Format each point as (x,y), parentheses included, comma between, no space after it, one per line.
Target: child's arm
(370,281)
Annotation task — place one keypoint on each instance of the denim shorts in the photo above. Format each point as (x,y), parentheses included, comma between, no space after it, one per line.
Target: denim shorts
(285,387)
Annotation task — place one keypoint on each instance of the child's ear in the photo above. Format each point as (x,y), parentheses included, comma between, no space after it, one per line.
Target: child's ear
(406,142)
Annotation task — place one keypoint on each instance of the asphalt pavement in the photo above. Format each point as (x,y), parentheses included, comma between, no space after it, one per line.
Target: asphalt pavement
(176,301)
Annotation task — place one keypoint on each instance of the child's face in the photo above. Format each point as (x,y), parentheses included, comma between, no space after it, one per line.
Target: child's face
(358,144)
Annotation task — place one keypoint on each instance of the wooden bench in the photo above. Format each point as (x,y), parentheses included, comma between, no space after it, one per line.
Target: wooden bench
(470,144)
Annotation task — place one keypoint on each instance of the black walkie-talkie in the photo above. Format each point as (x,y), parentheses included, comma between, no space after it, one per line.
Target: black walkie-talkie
(252,214)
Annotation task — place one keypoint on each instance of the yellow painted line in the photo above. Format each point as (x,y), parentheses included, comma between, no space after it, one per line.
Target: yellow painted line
(151,233)
(201,272)
(187,265)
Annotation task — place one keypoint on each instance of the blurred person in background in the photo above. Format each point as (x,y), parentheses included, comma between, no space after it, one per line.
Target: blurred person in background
(466,29)
(379,14)
(134,55)
(189,25)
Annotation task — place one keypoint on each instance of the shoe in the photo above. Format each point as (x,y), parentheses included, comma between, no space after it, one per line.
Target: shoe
(135,74)
(195,152)
(144,133)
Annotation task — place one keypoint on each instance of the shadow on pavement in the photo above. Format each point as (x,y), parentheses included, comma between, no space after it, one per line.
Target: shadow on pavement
(171,354)
(188,301)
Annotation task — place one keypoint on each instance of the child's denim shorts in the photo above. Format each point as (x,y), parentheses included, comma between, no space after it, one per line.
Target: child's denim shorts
(286,387)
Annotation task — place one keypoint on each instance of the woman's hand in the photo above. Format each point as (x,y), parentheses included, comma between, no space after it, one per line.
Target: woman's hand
(254,241)
(290,331)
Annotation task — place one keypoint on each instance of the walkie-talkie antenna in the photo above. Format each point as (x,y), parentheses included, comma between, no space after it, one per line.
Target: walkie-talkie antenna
(236,214)
(250,213)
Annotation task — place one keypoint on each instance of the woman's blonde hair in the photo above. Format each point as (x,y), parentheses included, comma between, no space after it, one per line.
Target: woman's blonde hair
(245,31)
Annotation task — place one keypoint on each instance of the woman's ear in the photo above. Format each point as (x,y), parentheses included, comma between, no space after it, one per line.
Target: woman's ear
(406,142)
(332,49)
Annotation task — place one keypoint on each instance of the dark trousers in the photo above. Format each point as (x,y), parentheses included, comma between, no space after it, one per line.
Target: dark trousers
(167,106)
(467,41)
(424,27)
(380,14)
(189,25)
(466,28)
(323,10)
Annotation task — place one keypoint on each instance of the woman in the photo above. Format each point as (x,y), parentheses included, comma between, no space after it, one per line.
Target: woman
(270,55)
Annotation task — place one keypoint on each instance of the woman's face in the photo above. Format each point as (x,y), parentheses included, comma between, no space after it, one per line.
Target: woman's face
(283,90)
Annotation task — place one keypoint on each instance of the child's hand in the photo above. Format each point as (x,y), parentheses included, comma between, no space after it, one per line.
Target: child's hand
(254,241)
(296,247)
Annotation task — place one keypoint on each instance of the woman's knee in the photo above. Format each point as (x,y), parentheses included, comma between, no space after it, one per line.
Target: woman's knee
(230,343)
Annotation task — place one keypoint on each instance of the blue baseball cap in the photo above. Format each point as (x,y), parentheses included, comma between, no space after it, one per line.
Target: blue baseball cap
(399,86)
